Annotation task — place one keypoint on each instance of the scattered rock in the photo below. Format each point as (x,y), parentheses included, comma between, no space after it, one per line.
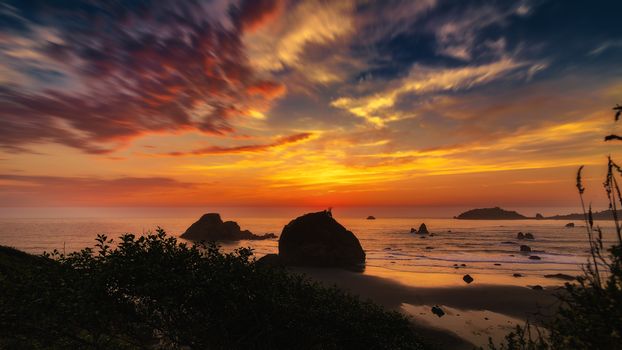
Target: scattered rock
(271,260)
(371,217)
(467,278)
(570,224)
(497,264)
(508,242)
(486,318)
(535,257)
(412,230)
(511,255)
(432,234)
(210,227)
(463,265)
(448,231)
(517,275)
(561,276)
(520,235)
(387,248)
(423,229)
(438,311)
(525,248)
(428,247)
(317,239)
(528,236)
(422,237)
(537,287)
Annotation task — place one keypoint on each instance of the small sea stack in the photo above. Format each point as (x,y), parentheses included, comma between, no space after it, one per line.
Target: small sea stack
(371,217)
(210,227)
(423,229)
(569,225)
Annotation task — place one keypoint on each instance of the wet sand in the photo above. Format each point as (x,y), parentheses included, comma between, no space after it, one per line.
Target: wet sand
(468,302)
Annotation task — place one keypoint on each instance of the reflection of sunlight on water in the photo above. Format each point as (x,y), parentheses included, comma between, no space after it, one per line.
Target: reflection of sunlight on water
(473,325)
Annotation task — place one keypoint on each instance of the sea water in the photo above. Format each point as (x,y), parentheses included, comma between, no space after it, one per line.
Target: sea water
(488,249)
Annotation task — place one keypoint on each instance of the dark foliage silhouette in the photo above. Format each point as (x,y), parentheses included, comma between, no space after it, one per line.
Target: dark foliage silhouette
(153,292)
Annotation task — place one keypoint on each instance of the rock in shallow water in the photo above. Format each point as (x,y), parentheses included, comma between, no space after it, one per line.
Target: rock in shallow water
(210,227)
(467,278)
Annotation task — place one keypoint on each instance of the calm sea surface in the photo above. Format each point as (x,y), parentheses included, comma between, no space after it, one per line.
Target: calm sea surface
(489,249)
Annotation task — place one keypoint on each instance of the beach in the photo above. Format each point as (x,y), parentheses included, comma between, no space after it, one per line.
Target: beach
(473,312)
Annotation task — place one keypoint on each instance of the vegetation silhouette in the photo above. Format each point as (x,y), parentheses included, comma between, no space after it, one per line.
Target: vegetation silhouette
(154,292)
(590,311)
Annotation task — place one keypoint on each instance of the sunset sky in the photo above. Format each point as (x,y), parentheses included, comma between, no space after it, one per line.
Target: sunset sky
(310,103)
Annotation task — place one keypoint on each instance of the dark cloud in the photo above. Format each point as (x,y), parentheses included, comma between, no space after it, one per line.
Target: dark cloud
(246,148)
(255,13)
(129,68)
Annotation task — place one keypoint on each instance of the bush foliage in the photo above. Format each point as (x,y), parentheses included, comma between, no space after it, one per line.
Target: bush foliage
(153,292)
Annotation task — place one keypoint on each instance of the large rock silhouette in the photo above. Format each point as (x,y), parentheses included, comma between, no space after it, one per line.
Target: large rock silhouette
(210,227)
(316,239)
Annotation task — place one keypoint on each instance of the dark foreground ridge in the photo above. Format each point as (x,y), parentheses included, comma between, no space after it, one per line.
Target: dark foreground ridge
(151,292)
(210,227)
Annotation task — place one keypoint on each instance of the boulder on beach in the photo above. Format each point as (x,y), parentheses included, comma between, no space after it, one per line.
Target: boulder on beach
(467,278)
(561,276)
(525,248)
(423,229)
(210,227)
(528,236)
(520,235)
(438,311)
(570,224)
(317,239)
(371,217)
(272,260)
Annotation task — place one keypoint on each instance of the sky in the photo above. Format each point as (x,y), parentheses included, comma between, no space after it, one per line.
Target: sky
(344,103)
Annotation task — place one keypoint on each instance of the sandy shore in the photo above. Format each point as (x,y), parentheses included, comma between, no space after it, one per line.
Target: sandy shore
(474,311)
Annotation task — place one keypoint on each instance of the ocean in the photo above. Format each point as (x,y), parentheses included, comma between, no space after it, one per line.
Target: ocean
(488,250)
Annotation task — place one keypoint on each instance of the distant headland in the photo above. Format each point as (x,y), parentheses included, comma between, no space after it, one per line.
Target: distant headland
(497,213)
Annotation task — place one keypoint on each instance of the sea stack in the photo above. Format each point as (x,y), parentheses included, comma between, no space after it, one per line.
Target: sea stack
(210,227)
(423,229)
(317,239)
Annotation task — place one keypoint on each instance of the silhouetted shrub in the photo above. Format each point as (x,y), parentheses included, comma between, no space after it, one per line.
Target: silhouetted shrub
(590,313)
(153,292)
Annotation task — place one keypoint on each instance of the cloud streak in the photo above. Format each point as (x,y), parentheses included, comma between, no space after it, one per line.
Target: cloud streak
(256,148)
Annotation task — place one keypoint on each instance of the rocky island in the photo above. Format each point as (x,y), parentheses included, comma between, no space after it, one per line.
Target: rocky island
(495,213)
(317,240)
(210,227)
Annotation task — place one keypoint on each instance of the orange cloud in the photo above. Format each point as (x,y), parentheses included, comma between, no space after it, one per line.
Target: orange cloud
(244,149)
(267,89)
(255,13)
